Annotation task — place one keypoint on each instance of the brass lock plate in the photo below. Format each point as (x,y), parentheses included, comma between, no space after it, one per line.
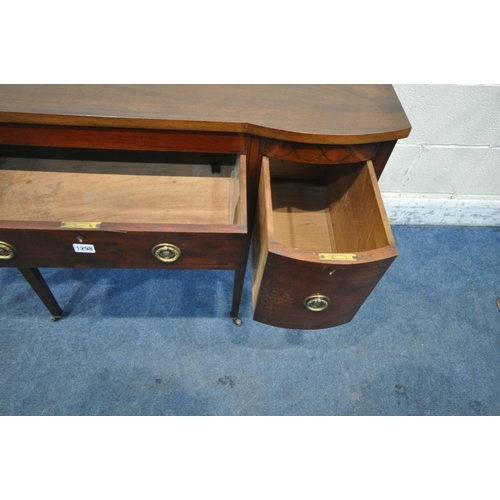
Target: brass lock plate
(81,225)
(338,257)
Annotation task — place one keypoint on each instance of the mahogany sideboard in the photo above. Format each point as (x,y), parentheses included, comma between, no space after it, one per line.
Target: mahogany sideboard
(196,176)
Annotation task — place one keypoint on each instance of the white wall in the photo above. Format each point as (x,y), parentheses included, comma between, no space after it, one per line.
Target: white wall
(448,170)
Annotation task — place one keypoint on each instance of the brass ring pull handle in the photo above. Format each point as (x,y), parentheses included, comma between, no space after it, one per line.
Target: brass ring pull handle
(317,303)
(7,251)
(166,252)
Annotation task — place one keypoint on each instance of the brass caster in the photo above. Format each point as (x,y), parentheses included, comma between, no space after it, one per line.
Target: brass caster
(55,318)
(237,321)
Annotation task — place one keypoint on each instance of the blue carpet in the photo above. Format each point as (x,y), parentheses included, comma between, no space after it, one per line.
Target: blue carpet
(142,342)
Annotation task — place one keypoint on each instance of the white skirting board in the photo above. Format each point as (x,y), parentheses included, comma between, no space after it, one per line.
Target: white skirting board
(442,210)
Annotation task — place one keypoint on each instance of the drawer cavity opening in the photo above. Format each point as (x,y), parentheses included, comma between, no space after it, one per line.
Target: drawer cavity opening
(63,184)
(327,209)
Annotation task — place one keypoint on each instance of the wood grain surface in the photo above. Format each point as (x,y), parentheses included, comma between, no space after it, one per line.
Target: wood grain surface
(298,219)
(63,190)
(317,114)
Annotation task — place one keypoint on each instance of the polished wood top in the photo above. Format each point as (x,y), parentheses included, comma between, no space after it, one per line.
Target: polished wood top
(321,114)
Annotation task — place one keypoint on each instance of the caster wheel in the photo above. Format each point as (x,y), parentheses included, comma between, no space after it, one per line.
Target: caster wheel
(237,321)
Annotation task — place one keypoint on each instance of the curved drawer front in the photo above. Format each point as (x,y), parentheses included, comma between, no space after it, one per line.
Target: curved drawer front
(321,245)
(334,297)
(319,154)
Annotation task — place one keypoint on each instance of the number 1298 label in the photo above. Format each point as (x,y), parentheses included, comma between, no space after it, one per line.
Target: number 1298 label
(79,248)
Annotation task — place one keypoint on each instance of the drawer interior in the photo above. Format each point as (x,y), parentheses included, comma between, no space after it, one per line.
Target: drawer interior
(327,209)
(56,184)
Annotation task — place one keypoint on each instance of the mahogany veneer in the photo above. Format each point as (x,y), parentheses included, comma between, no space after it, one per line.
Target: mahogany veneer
(168,176)
(326,235)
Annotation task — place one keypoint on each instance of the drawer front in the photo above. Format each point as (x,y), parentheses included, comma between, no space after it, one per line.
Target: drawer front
(320,154)
(134,249)
(335,293)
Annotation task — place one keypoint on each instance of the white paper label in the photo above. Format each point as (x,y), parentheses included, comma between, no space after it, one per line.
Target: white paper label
(80,248)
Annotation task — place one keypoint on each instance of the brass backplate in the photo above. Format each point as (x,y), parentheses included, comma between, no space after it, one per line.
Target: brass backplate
(339,257)
(81,225)
(317,303)
(165,252)
(7,251)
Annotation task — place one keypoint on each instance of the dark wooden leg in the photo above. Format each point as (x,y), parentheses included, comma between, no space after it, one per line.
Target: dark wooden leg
(254,164)
(36,281)
(239,281)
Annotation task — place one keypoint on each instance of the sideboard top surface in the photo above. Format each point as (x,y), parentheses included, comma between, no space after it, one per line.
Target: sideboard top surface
(321,114)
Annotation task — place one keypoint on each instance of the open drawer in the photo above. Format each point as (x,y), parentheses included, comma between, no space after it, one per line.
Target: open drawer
(70,208)
(321,243)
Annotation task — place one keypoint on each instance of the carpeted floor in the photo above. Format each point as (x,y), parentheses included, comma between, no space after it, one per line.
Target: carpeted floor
(134,342)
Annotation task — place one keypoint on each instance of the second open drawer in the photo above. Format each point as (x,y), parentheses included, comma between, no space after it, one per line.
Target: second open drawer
(321,243)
